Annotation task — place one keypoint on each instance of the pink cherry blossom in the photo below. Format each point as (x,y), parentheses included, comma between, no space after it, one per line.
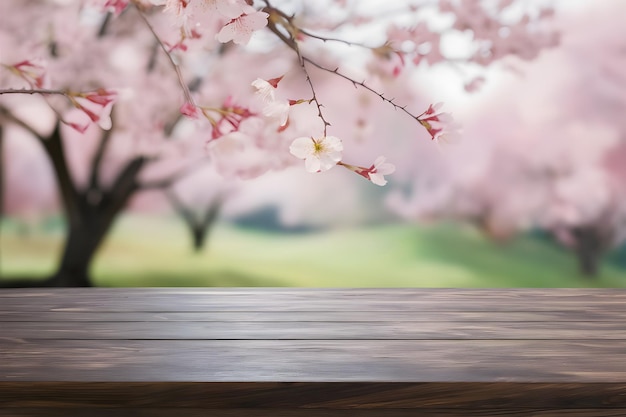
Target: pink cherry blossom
(116,6)
(277,110)
(475,84)
(273,108)
(264,89)
(375,173)
(240,29)
(81,128)
(101,96)
(319,154)
(441,126)
(235,156)
(33,71)
(190,110)
(379,169)
(229,117)
(229,9)
(97,105)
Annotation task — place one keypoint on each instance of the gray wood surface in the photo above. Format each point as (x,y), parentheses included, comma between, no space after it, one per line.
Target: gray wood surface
(291,352)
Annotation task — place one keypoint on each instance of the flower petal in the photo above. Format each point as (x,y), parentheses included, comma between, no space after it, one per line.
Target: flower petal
(302,147)
(378,179)
(333,143)
(312,164)
(327,161)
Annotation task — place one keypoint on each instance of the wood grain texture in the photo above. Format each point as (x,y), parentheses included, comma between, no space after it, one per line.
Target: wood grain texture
(313,352)
(293,330)
(576,315)
(316,395)
(290,300)
(203,412)
(313,360)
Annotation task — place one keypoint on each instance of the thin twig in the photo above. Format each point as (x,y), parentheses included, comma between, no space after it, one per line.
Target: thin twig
(291,43)
(328,39)
(301,60)
(179,74)
(363,85)
(33,91)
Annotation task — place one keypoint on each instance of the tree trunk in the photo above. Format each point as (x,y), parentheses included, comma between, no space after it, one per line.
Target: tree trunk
(200,225)
(88,225)
(203,228)
(89,212)
(80,247)
(589,250)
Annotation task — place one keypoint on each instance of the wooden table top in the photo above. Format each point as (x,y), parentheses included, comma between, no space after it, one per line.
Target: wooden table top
(307,349)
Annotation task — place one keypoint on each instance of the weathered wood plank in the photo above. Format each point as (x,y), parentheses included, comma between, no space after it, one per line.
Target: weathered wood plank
(314,360)
(311,292)
(294,352)
(313,395)
(410,300)
(377,294)
(578,315)
(196,412)
(314,330)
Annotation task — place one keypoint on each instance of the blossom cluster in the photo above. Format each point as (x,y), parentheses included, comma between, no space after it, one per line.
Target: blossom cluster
(440,125)
(33,71)
(192,38)
(239,19)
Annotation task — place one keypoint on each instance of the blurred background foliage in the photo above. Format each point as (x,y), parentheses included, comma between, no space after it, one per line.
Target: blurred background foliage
(534,195)
(157,251)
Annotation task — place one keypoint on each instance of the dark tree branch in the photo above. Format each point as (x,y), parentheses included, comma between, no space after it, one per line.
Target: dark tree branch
(105,25)
(199,226)
(212,212)
(154,54)
(7,115)
(363,85)
(175,65)
(126,182)
(69,195)
(181,209)
(53,145)
(330,39)
(116,197)
(96,163)
(292,44)
(31,91)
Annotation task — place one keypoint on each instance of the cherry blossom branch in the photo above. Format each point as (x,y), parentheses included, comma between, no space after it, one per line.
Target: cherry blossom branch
(293,44)
(301,60)
(43,91)
(366,87)
(330,39)
(297,29)
(176,67)
(314,99)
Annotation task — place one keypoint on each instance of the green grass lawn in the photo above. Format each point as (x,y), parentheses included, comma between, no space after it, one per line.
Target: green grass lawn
(157,252)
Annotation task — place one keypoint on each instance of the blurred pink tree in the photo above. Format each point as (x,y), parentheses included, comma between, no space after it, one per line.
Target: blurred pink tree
(132,95)
(547,149)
